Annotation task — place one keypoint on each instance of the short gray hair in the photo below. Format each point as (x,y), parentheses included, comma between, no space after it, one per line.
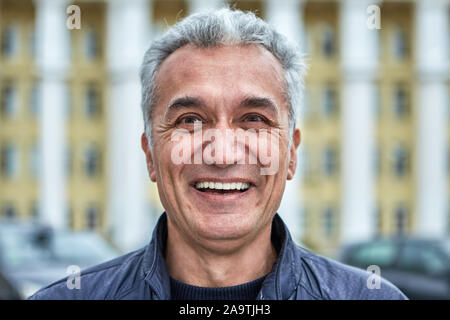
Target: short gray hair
(224,27)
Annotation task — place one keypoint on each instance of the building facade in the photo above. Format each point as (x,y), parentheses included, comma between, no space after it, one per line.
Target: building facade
(374,158)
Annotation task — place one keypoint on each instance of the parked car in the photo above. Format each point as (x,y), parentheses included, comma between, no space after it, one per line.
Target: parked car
(33,256)
(418,267)
(7,290)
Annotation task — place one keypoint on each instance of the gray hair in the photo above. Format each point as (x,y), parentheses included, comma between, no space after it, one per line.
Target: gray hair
(224,27)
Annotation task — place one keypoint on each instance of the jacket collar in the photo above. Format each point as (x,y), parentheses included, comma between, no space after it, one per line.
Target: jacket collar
(279,284)
(155,268)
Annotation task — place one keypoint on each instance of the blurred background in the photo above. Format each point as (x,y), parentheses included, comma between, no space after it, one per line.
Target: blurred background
(374,163)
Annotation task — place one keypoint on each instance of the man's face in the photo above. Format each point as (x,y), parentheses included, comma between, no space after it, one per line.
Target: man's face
(227,89)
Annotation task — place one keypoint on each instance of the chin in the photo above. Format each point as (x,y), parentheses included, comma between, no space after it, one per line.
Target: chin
(225,226)
(212,235)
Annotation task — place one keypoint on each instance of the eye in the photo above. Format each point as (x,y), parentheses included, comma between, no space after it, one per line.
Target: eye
(190,119)
(254,118)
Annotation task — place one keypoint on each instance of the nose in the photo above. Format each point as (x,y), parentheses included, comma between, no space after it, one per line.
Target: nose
(222,147)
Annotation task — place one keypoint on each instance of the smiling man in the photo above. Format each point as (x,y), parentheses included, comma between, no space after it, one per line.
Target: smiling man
(219,214)
(220,93)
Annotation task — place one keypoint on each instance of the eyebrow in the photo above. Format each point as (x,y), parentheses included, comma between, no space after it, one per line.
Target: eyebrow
(249,101)
(186,101)
(254,101)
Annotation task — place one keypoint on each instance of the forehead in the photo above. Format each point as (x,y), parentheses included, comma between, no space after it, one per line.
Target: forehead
(219,71)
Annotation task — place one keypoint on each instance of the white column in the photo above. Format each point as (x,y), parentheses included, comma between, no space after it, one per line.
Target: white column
(202,5)
(287,17)
(52,40)
(359,63)
(432,54)
(128,38)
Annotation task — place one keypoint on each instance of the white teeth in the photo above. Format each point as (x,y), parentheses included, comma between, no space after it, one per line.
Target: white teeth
(222,185)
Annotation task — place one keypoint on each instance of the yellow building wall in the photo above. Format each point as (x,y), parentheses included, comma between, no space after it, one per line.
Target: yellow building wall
(83,130)
(20,130)
(391,190)
(318,131)
(319,190)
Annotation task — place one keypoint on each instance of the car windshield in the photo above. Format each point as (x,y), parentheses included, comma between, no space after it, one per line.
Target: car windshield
(22,249)
(447,247)
(83,249)
(18,250)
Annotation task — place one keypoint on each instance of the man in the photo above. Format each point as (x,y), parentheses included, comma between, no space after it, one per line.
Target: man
(220,91)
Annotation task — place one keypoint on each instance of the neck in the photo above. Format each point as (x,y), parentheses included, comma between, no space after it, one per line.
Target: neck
(213,266)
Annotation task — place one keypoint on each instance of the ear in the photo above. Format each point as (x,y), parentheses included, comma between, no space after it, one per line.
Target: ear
(296,139)
(148,155)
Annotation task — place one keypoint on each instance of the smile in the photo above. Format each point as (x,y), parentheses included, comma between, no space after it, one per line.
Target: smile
(222,187)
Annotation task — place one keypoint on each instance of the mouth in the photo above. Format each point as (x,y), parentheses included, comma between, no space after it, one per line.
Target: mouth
(222,188)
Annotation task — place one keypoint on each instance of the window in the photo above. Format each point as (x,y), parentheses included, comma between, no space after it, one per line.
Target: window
(92,217)
(34,100)
(9,42)
(8,101)
(92,161)
(400,43)
(8,161)
(327,42)
(400,102)
(92,44)
(328,218)
(401,220)
(329,161)
(92,102)
(9,211)
(401,161)
(329,105)
(35,161)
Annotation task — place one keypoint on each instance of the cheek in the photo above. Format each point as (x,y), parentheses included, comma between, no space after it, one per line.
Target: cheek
(168,181)
(179,148)
(271,151)
(166,164)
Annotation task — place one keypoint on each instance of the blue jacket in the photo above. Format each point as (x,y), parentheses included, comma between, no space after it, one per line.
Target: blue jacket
(296,275)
